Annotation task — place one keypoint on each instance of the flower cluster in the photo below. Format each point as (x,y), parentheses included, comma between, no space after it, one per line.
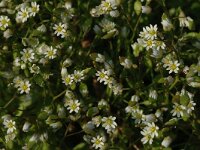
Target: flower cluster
(106,7)
(25,11)
(102,75)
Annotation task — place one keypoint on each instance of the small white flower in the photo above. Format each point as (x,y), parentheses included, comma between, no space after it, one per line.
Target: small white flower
(146,9)
(135,98)
(27,55)
(178,110)
(149,33)
(126,63)
(159,45)
(51,53)
(24,87)
(73,106)
(68,79)
(35,69)
(78,76)
(96,121)
(173,66)
(190,106)
(152,129)
(17,81)
(149,44)
(132,109)
(98,142)
(100,58)
(10,125)
(26,126)
(102,76)
(117,88)
(167,25)
(153,94)
(109,123)
(102,103)
(34,138)
(34,9)
(146,137)
(138,116)
(7,34)
(10,137)
(166,141)
(23,15)
(4,22)
(60,29)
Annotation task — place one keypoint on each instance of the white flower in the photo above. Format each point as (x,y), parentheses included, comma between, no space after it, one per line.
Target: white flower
(167,25)
(178,110)
(100,58)
(185,21)
(152,129)
(35,69)
(17,81)
(73,106)
(102,103)
(60,29)
(109,123)
(98,142)
(173,66)
(34,138)
(51,53)
(149,33)
(26,126)
(68,79)
(135,98)
(68,4)
(10,137)
(78,76)
(117,88)
(132,109)
(190,106)
(138,116)
(24,87)
(10,125)
(103,76)
(96,120)
(146,9)
(4,22)
(27,55)
(7,34)
(153,94)
(146,137)
(166,141)
(159,45)
(34,9)
(149,44)
(23,15)
(149,132)
(126,63)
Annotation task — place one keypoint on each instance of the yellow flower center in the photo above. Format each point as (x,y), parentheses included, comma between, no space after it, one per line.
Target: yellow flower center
(149,43)
(173,67)
(24,87)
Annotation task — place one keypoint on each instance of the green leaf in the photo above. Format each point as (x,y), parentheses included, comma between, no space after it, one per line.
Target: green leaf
(184,99)
(81,146)
(92,112)
(39,80)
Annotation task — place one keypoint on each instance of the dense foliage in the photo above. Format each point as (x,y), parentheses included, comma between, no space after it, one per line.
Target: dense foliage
(106,74)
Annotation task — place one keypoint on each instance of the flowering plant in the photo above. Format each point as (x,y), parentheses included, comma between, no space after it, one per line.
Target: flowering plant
(109,74)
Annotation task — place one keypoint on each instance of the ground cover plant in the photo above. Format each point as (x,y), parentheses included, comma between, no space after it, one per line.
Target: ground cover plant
(99,74)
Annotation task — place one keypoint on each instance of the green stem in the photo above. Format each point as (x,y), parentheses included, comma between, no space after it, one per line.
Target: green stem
(59,95)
